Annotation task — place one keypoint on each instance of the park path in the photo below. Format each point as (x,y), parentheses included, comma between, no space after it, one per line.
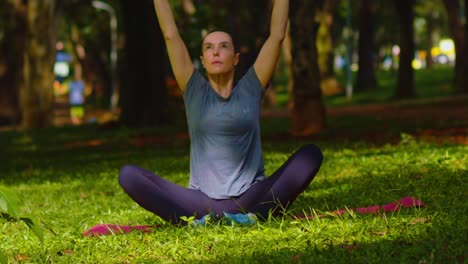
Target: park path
(61,111)
(440,109)
(448,110)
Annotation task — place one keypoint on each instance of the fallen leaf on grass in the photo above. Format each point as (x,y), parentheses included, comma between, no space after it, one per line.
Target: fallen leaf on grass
(379,233)
(66,252)
(350,247)
(420,220)
(81,144)
(21,257)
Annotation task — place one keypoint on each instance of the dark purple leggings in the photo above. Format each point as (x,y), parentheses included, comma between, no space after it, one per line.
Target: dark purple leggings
(272,195)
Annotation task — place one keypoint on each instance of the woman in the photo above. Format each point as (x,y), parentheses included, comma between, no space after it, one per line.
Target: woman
(226,165)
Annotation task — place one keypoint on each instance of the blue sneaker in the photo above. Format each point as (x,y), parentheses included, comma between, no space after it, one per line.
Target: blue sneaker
(206,219)
(240,219)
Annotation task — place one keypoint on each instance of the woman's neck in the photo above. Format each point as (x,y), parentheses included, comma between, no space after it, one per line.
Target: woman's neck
(222,83)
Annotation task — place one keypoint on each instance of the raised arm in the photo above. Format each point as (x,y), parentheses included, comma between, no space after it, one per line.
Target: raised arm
(268,57)
(179,57)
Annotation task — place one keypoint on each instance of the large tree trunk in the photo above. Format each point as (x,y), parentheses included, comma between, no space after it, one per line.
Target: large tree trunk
(143,91)
(249,39)
(37,94)
(11,64)
(366,75)
(288,61)
(325,39)
(405,85)
(456,25)
(465,90)
(308,114)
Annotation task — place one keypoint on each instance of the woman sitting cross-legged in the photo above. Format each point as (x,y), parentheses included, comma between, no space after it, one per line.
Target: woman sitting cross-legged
(227,175)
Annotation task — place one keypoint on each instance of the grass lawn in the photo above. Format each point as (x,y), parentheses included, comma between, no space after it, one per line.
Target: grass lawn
(428,83)
(66,178)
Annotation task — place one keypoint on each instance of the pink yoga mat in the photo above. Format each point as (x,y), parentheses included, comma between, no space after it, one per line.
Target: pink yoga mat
(406,202)
(111,229)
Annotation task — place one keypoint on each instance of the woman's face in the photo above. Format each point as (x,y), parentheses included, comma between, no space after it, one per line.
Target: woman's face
(219,56)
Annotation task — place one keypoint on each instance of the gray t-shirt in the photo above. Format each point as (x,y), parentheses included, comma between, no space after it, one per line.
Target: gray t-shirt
(225,151)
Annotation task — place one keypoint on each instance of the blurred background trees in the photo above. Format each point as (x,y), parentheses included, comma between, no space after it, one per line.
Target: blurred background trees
(336,48)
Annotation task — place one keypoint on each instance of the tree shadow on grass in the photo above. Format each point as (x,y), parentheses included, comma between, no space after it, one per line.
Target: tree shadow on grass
(400,250)
(439,188)
(372,130)
(39,163)
(443,222)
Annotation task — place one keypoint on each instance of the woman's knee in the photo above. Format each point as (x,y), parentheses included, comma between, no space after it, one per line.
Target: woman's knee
(313,152)
(126,173)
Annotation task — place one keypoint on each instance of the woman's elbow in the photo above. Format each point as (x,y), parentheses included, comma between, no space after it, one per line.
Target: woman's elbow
(278,36)
(170,34)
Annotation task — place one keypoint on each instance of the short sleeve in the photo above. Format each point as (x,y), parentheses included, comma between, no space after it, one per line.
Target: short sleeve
(196,80)
(251,83)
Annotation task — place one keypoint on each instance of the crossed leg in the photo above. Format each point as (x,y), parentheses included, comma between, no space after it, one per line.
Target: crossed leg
(281,189)
(171,201)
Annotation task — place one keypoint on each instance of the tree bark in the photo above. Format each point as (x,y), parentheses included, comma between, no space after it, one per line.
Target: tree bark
(456,26)
(11,65)
(326,46)
(143,90)
(325,39)
(288,61)
(465,75)
(366,80)
(249,39)
(428,40)
(405,83)
(308,114)
(37,96)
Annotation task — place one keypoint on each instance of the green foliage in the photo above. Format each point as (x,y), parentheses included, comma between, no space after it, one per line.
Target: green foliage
(3,259)
(188,220)
(9,212)
(8,204)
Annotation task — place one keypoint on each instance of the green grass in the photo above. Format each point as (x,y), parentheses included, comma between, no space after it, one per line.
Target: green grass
(70,186)
(428,83)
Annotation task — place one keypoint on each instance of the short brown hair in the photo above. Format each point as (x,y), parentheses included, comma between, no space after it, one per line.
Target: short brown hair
(219,30)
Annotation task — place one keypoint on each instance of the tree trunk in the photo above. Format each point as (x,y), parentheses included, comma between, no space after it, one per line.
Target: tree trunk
(405,84)
(366,80)
(465,75)
(143,90)
(429,42)
(249,39)
(288,61)
(325,40)
(325,46)
(456,25)
(308,114)
(11,64)
(37,96)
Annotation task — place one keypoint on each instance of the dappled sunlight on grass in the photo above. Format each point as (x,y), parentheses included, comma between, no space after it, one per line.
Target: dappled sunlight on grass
(70,190)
